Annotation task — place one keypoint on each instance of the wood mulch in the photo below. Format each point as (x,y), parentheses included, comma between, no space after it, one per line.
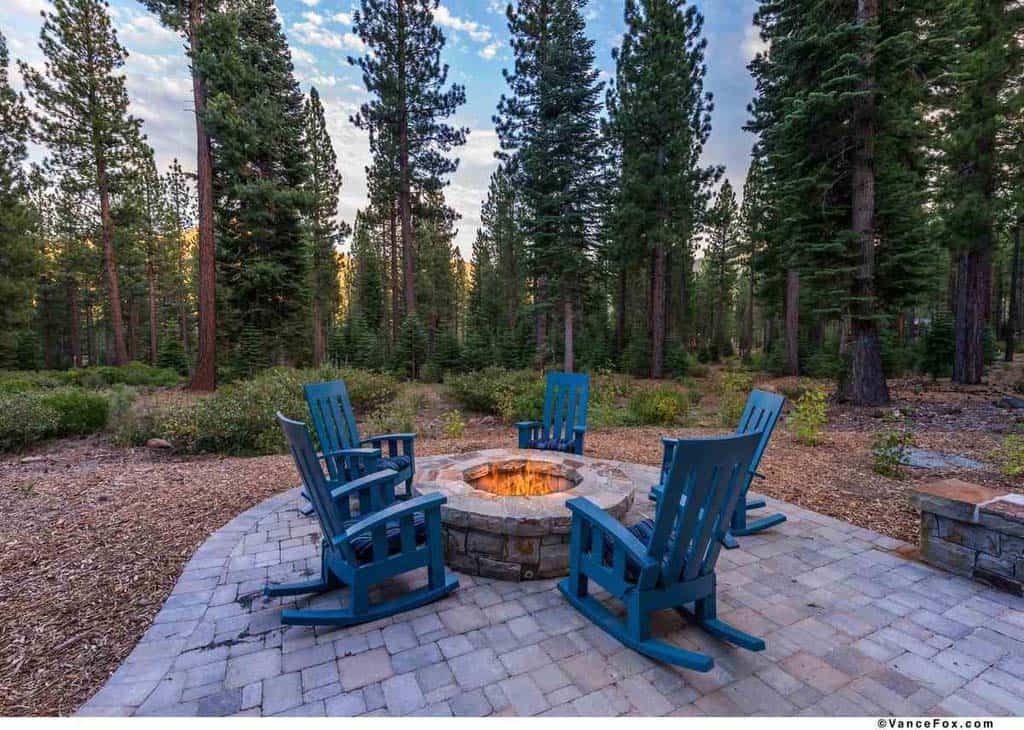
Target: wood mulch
(93,537)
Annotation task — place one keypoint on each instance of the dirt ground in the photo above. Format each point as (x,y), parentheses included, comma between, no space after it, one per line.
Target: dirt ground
(93,537)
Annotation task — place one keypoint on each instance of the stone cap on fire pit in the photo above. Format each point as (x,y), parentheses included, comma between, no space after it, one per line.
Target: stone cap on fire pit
(601,481)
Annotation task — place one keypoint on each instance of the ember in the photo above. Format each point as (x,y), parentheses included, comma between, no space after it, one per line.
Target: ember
(522,478)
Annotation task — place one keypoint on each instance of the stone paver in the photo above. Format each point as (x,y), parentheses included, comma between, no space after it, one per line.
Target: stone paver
(851,628)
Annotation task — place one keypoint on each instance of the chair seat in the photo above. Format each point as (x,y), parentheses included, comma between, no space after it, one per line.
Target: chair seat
(398,462)
(552,444)
(362,544)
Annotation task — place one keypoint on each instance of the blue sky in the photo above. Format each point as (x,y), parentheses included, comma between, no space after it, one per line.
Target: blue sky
(321,38)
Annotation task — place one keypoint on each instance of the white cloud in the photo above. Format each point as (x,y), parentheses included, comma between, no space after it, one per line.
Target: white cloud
(343,18)
(752,42)
(303,56)
(312,34)
(311,3)
(146,32)
(490,50)
(314,18)
(480,33)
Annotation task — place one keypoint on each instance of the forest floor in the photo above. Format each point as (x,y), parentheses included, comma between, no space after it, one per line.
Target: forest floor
(93,537)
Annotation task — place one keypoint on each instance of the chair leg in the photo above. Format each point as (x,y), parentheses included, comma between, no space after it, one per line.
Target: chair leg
(729,542)
(348,616)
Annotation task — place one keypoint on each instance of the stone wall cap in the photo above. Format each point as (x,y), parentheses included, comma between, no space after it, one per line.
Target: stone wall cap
(957,490)
(1010,507)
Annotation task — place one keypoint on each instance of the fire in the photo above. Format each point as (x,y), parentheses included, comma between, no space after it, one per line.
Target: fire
(520,479)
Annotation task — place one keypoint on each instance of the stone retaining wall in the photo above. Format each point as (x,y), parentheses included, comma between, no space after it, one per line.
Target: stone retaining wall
(973,531)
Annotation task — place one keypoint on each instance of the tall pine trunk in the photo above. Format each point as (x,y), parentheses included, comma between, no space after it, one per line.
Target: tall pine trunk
(396,321)
(792,307)
(747,340)
(404,182)
(658,310)
(319,332)
(866,384)
(969,310)
(1011,319)
(204,377)
(74,343)
(110,261)
(570,345)
(151,277)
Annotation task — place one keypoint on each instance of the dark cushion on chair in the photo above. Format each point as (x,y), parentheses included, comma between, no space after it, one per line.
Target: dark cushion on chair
(398,462)
(642,531)
(553,444)
(363,544)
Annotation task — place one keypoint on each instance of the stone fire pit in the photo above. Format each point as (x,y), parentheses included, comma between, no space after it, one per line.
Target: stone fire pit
(506,516)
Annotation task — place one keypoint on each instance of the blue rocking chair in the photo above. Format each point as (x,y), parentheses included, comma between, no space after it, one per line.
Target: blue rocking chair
(760,414)
(387,539)
(668,561)
(346,455)
(565,415)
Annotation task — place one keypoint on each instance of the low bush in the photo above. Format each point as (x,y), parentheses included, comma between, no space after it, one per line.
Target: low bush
(33,416)
(454,425)
(509,394)
(660,406)
(25,421)
(101,377)
(735,388)
(239,418)
(1013,455)
(889,450)
(809,416)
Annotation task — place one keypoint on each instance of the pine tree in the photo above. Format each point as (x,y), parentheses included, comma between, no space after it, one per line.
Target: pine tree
(19,252)
(660,118)
(719,270)
(983,54)
(187,17)
(83,117)
(402,70)
(181,205)
(254,115)
(325,232)
(548,124)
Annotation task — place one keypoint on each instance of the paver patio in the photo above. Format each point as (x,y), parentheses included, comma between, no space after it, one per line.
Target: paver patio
(852,628)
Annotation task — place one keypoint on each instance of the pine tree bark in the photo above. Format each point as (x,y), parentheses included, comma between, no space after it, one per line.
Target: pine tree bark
(747,341)
(570,345)
(404,182)
(110,261)
(395,293)
(319,332)
(74,343)
(658,310)
(970,304)
(792,307)
(866,384)
(1011,319)
(204,377)
(153,314)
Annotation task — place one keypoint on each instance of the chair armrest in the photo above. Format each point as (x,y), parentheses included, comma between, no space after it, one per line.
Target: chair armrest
(669,441)
(528,424)
(357,485)
(394,512)
(579,429)
(389,437)
(586,510)
(366,453)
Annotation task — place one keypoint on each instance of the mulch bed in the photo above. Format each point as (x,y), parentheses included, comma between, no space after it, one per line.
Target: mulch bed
(93,538)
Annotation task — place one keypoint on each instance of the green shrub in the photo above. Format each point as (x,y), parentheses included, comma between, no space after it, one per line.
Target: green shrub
(25,421)
(660,406)
(809,416)
(239,418)
(79,411)
(510,394)
(889,449)
(937,346)
(454,426)
(735,389)
(1013,455)
(399,416)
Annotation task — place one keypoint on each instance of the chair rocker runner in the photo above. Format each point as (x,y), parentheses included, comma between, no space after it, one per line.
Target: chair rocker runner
(565,415)
(387,538)
(761,413)
(668,561)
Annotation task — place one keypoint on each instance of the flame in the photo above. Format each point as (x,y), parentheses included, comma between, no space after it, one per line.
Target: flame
(519,479)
